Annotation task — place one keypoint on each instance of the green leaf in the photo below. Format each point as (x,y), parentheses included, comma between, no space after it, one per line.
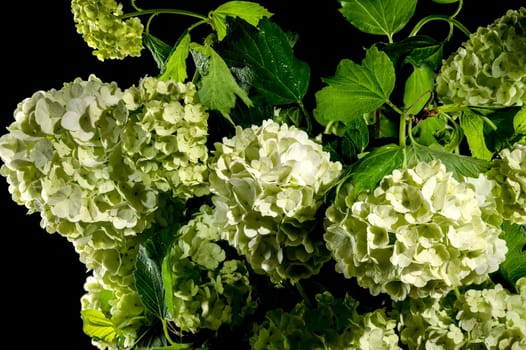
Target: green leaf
(180,346)
(175,67)
(435,132)
(417,50)
(418,88)
(472,125)
(352,139)
(459,165)
(249,11)
(161,235)
(97,326)
(356,89)
(218,87)
(514,266)
(369,170)
(149,283)
(247,116)
(356,138)
(264,60)
(167,277)
(519,121)
(158,48)
(378,16)
(430,131)
(504,134)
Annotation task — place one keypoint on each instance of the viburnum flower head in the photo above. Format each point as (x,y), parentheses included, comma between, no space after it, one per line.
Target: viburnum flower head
(509,172)
(119,305)
(100,24)
(165,138)
(62,158)
(489,69)
(490,318)
(218,289)
(268,182)
(420,233)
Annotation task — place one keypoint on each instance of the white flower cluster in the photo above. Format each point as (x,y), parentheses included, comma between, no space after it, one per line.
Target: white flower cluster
(165,138)
(268,182)
(93,160)
(329,323)
(487,318)
(217,290)
(508,170)
(420,233)
(489,69)
(81,157)
(110,290)
(61,158)
(377,331)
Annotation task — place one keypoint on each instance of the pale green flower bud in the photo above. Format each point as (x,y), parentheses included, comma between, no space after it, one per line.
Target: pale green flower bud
(100,24)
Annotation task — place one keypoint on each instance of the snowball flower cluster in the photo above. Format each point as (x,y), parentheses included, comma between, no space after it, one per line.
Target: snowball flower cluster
(489,69)
(62,158)
(420,233)
(110,295)
(165,137)
(327,323)
(508,170)
(97,163)
(100,24)
(92,159)
(268,182)
(491,317)
(217,291)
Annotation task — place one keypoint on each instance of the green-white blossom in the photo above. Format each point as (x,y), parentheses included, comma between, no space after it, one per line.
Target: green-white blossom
(268,182)
(487,317)
(420,233)
(489,69)
(165,138)
(508,170)
(494,317)
(117,307)
(92,159)
(62,158)
(102,27)
(330,323)
(429,323)
(209,290)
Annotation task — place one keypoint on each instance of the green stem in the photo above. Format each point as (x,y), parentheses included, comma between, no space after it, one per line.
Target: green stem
(489,122)
(302,292)
(452,21)
(402,132)
(452,108)
(306,114)
(134,5)
(402,127)
(459,7)
(163,11)
(167,332)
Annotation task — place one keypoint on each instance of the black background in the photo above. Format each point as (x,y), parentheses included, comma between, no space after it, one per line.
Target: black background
(41,276)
